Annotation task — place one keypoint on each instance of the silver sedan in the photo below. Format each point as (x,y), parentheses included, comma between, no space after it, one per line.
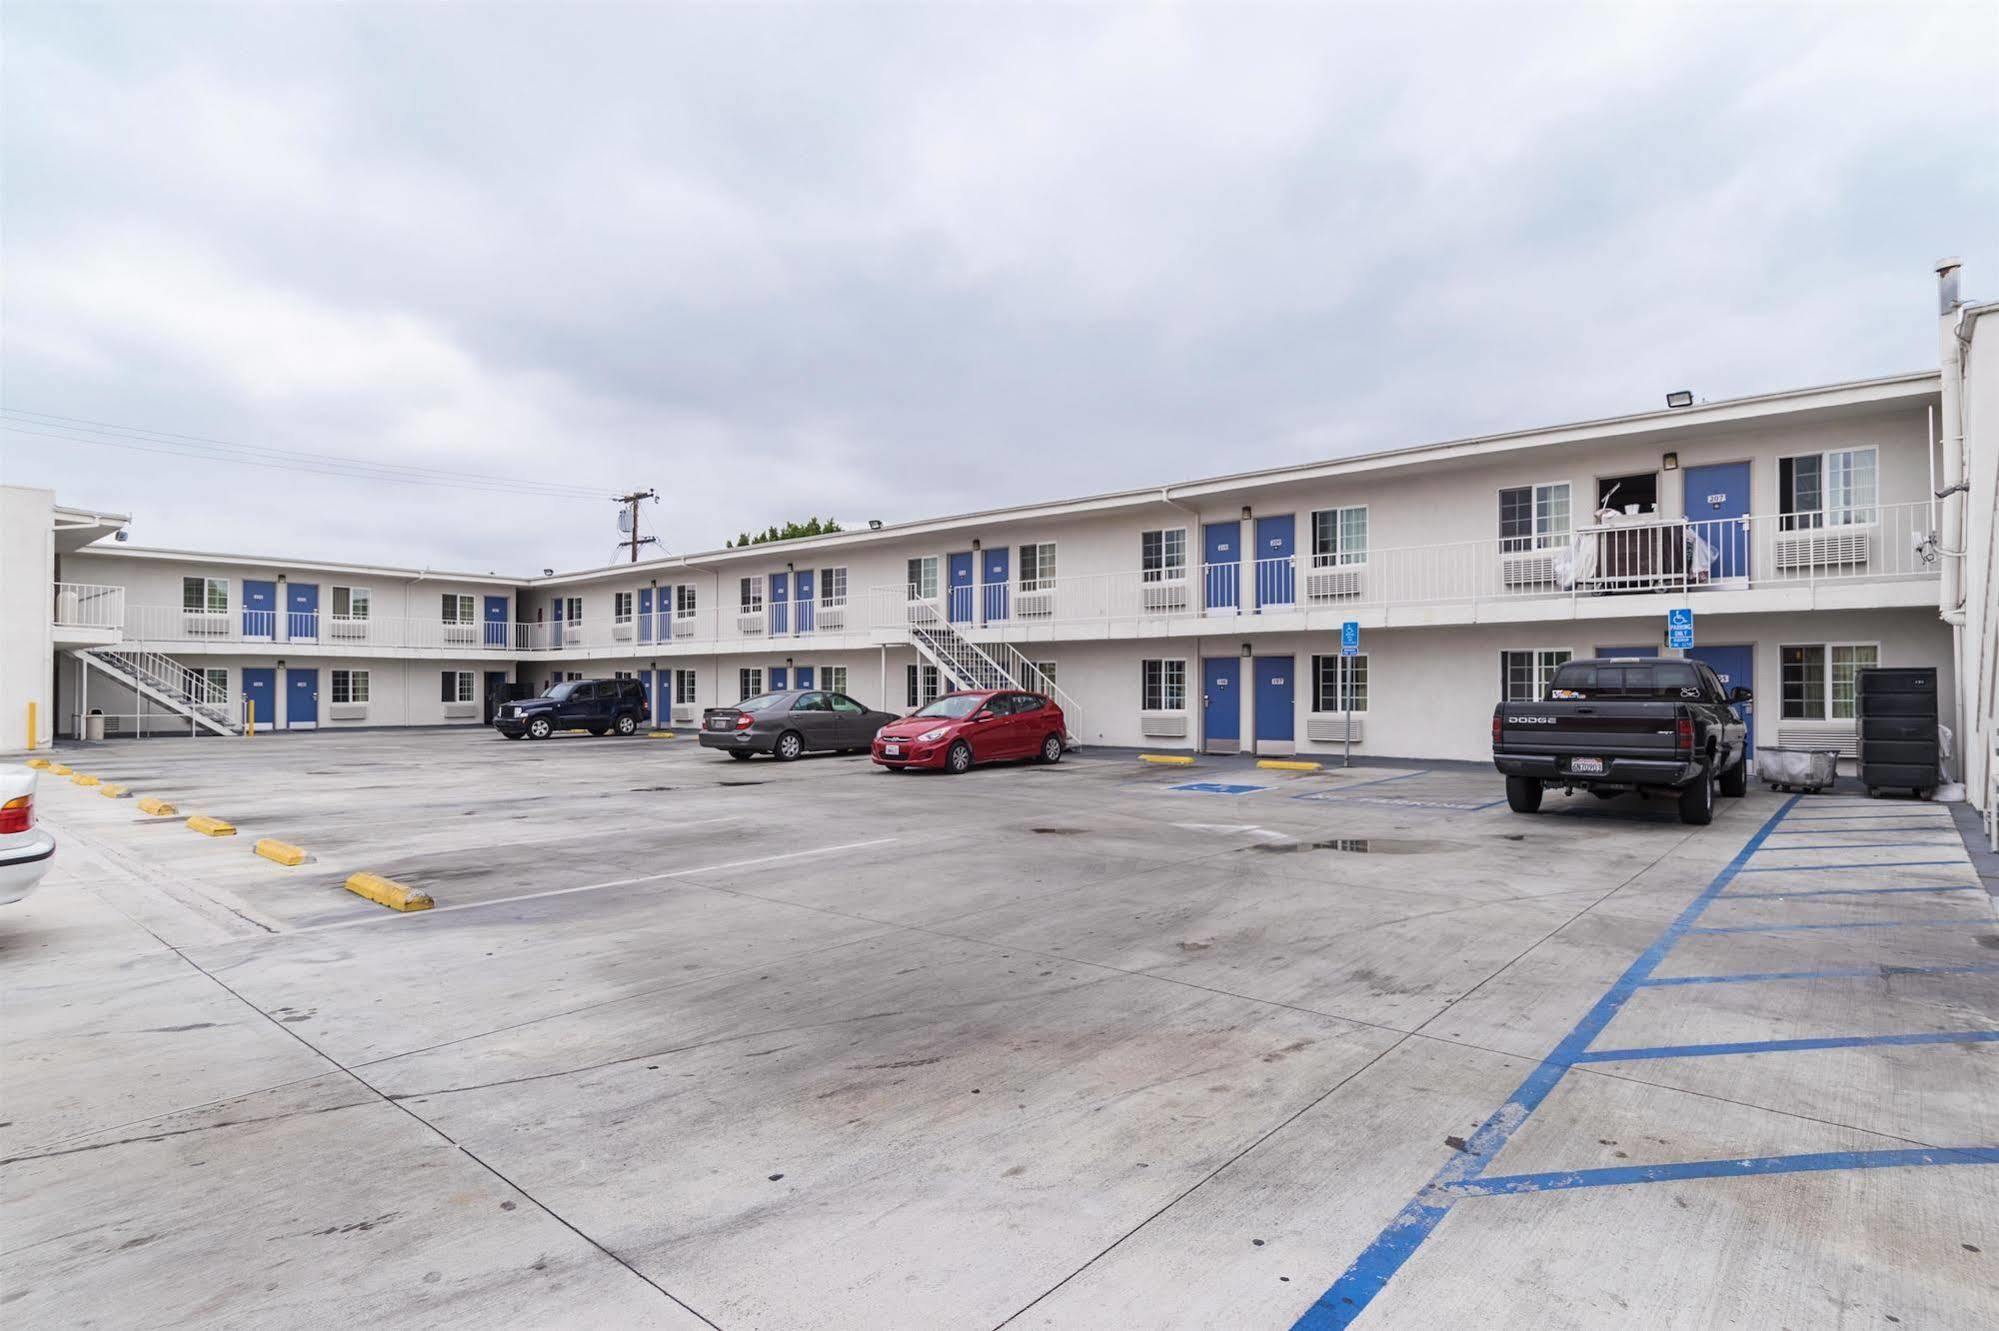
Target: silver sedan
(791,722)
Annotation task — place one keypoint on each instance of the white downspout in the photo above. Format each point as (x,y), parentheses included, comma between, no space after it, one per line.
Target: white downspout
(1950,585)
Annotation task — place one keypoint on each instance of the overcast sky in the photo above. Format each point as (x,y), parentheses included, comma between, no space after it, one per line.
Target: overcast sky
(892,262)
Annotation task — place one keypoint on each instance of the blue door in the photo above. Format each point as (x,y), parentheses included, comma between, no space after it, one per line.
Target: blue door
(780,612)
(1717,501)
(1221,565)
(801,595)
(804,680)
(1274,690)
(663,611)
(1276,580)
(302,607)
(260,696)
(780,678)
(556,636)
(645,683)
(1736,668)
(496,686)
(999,573)
(260,609)
(496,621)
(301,699)
(645,614)
(963,572)
(1221,703)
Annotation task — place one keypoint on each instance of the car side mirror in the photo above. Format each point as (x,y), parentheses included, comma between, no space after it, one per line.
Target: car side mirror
(1740,694)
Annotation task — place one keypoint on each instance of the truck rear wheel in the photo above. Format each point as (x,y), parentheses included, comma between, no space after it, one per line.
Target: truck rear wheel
(1697,800)
(1735,781)
(1523,794)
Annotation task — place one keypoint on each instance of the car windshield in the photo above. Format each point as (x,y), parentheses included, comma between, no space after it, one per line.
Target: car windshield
(560,692)
(763,702)
(954,707)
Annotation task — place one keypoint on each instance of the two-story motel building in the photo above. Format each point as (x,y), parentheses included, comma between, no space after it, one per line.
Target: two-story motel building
(1812,533)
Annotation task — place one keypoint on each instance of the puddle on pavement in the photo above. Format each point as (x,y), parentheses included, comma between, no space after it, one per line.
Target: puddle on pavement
(742,783)
(1365,845)
(1057,831)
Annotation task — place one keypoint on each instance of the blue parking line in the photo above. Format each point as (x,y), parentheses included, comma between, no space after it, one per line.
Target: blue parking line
(1510,1185)
(1850,892)
(1866,817)
(1870,831)
(1783,1046)
(1380,781)
(1884,864)
(1857,924)
(1867,845)
(1842,973)
(1365,1278)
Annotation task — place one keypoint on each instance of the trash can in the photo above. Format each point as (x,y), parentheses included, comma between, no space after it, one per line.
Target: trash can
(93,725)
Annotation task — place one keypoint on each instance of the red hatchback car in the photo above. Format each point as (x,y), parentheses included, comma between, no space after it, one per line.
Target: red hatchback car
(959,729)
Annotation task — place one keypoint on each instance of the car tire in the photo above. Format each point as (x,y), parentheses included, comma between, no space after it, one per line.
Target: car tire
(539,728)
(1697,800)
(1523,794)
(739,755)
(1051,749)
(959,760)
(1735,781)
(790,745)
(628,724)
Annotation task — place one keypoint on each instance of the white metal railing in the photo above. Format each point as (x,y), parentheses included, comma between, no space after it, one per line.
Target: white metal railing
(170,682)
(1691,556)
(83,605)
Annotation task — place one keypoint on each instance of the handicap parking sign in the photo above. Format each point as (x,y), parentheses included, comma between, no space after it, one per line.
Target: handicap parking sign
(1350,638)
(1680,628)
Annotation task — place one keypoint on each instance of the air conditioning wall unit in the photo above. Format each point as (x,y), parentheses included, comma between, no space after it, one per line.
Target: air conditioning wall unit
(346,627)
(1036,604)
(832,618)
(1328,584)
(1332,729)
(683,713)
(683,626)
(1527,570)
(458,634)
(1163,725)
(1164,597)
(750,623)
(205,623)
(622,630)
(1822,549)
(1842,737)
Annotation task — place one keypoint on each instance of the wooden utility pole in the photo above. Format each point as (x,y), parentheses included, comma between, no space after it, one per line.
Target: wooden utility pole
(631,503)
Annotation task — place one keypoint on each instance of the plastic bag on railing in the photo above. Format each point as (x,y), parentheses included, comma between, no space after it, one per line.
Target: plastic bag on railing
(1700,556)
(1575,562)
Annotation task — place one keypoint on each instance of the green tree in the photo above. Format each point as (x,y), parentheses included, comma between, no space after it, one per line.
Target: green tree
(791,531)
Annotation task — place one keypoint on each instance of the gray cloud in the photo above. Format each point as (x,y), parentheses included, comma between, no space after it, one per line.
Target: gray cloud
(892,262)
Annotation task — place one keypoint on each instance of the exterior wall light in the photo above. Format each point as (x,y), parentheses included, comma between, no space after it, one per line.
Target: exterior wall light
(1681,398)
(1671,462)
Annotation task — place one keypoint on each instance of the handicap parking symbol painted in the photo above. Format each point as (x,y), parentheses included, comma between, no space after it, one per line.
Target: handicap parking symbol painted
(1217,788)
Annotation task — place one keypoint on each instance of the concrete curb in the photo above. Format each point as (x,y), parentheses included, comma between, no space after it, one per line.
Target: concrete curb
(207,826)
(85,779)
(109,791)
(1166,759)
(153,804)
(1288,765)
(280,852)
(388,892)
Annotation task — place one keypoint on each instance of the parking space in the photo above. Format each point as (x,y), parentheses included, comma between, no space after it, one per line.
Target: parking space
(689,1041)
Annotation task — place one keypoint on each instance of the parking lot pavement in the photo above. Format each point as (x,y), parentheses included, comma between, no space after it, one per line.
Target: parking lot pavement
(694,1042)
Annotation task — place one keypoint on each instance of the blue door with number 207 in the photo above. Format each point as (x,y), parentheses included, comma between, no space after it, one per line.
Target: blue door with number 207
(1717,504)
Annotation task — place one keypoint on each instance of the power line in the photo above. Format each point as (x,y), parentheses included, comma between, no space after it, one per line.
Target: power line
(79,431)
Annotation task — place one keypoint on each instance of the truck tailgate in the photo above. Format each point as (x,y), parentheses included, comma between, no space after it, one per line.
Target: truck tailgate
(1609,729)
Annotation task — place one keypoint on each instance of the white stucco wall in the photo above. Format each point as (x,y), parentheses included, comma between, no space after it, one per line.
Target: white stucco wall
(27,574)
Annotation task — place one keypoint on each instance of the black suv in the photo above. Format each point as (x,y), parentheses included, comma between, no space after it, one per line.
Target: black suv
(599,706)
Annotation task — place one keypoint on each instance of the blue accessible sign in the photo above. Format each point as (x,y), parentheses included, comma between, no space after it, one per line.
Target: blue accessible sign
(1680,628)
(1350,638)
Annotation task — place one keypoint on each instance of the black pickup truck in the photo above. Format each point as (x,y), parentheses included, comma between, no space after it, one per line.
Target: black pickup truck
(1611,726)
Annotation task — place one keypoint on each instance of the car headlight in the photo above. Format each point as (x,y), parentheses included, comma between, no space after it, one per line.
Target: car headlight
(939,733)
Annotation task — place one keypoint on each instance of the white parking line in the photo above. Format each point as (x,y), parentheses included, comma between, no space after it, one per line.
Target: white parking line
(593,887)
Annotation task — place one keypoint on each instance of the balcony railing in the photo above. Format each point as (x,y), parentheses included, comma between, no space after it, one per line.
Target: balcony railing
(1682,557)
(83,605)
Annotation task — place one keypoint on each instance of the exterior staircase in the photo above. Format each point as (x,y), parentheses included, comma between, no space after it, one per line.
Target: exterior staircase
(997,665)
(162,679)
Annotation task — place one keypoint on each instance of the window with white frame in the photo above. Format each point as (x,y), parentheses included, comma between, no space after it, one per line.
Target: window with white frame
(1039,676)
(572,609)
(925,684)
(350,686)
(621,607)
(749,682)
(833,679)
(623,674)
(1339,683)
(1037,566)
(1835,489)
(832,586)
(750,595)
(1162,686)
(683,687)
(1162,555)
(457,686)
(1339,536)
(922,578)
(459,609)
(683,602)
(351,602)
(215,684)
(1533,517)
(1819,679)
(1524,675)
(205,595)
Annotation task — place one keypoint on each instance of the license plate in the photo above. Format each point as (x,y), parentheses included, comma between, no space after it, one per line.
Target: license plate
(718,725)
(891,750)
(1586,766)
